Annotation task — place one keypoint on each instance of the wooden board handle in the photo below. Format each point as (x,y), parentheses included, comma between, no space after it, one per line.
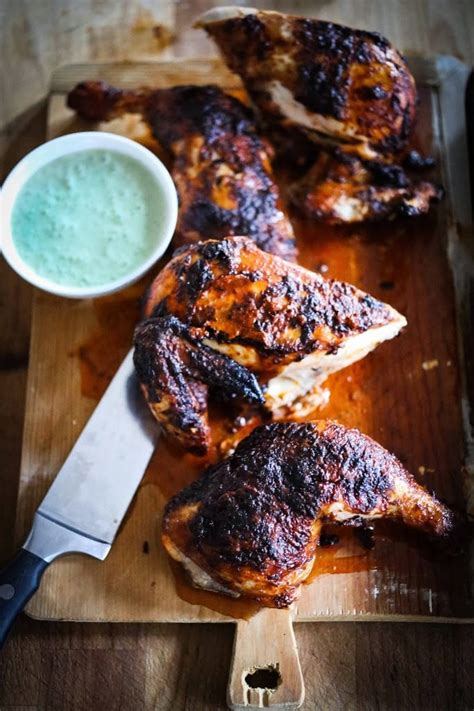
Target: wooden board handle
(265,668)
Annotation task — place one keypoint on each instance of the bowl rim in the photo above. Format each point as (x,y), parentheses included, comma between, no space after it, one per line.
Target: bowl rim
(67,145)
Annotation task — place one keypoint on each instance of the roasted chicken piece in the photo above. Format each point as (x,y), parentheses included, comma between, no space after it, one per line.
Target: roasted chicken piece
(250,525)
(334,83)
(221,167)
(284,329)
(176,370)
(338,86)
(343,188)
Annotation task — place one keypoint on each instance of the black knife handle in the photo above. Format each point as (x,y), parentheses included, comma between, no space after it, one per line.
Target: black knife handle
(18,581)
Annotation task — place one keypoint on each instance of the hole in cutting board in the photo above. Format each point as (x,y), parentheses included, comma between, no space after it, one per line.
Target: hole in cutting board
(268,678)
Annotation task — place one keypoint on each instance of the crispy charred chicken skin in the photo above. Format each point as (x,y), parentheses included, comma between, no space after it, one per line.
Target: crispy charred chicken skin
(333,82)
(339,86)
(250,525)
(221,167)
(225,314)
(176,371)
(343,188)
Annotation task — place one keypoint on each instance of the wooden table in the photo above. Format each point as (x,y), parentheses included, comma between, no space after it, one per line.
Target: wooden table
(134,667)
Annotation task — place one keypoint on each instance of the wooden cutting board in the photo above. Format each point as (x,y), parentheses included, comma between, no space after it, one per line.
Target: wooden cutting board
(411,395)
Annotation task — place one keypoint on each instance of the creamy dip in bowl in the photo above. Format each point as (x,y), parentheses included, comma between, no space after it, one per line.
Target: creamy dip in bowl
(87,214)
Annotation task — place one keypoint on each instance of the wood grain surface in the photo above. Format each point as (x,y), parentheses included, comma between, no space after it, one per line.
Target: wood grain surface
(77,666)
(77,345)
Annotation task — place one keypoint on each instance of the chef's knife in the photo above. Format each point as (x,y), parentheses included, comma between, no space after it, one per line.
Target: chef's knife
(89,497)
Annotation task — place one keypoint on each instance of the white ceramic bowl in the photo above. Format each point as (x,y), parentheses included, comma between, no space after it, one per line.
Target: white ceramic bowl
(66,145)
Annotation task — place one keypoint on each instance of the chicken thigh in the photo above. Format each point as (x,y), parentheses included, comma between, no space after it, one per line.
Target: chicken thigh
(250,525)
(221,167)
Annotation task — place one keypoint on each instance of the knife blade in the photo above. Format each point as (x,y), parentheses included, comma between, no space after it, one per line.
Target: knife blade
(85,505)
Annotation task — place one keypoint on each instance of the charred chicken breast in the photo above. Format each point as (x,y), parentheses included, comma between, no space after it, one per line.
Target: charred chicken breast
(338,86)
(221,167)
(250,525)
(226,315)
(333,82)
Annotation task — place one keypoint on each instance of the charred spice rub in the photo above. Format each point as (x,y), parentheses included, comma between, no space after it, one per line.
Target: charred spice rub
(221,167)
(224,318)
(252,522)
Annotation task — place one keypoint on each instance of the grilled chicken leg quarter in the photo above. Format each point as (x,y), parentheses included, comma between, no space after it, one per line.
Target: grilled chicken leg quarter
(221,166)
(226,315)
(251,524)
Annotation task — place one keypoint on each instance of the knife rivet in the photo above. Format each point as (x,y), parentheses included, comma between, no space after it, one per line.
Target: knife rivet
(6,592)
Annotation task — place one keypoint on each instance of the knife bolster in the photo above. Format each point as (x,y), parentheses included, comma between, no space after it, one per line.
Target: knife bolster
(49,540)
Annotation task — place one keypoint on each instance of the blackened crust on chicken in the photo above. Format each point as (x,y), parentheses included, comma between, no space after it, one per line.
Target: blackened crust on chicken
(222,169)
(326,51)
(251,522)
(232,292)
(221,166)
(182,111)
(176,371)
(98,101)
(342,188)
(353,77)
